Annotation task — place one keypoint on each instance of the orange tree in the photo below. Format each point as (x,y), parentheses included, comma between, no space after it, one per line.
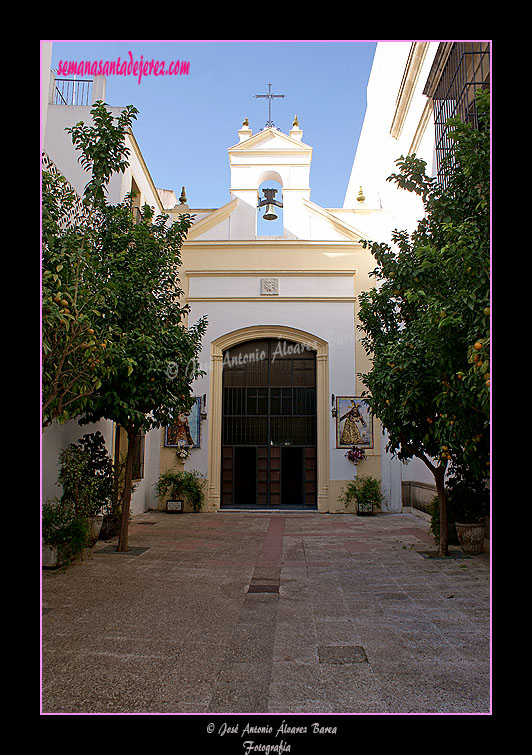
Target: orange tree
(426,324)
(76,337)
(72,327)
(153,356)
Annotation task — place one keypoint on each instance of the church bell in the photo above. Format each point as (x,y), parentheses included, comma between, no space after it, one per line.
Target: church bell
(270,203)
(270,213)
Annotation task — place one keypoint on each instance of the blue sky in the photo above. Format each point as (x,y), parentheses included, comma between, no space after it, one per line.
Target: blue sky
(187,122)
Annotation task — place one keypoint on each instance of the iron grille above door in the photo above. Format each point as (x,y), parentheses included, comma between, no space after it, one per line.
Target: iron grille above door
(269,426)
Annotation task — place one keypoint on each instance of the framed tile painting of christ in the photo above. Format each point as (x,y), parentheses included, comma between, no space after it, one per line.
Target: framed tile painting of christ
(354,423)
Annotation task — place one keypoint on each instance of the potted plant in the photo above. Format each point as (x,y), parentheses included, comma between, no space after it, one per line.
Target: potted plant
(468,503)
(64,534)
(365,492)
(182,484)
(86,473)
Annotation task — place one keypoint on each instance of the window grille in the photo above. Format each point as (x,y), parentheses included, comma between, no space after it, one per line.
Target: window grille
(466,70)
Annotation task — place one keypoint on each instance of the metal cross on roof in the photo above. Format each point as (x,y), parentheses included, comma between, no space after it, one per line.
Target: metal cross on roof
(269,96)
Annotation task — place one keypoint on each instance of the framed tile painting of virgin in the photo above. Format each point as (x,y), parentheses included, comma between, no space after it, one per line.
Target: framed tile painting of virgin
(185,431)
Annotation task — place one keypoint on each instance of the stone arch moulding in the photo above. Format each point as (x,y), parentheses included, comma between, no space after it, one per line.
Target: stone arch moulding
(270,175)
(226,341)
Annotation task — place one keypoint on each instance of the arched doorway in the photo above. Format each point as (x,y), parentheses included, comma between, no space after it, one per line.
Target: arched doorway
(269,428)
(278,333)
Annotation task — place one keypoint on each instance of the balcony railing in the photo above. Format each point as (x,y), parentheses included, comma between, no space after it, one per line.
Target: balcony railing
(72,92)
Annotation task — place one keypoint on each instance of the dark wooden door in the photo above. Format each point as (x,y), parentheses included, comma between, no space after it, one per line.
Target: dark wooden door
(269,426)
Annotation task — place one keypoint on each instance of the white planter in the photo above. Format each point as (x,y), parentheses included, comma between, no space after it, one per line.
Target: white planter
(50,557)
(471,537)
(95,528)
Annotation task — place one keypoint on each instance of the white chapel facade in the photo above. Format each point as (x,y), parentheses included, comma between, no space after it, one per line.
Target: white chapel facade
(281,352)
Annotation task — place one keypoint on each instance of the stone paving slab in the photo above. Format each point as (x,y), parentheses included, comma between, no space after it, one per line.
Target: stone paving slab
(351,619)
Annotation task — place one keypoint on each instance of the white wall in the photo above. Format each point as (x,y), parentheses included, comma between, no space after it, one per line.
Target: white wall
(144,496)
(377,149)
(58,146)
(331,321)
(46,61)
(57,437)
(391,477)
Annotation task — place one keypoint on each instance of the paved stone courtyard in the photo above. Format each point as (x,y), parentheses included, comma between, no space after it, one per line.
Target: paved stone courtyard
(268,613)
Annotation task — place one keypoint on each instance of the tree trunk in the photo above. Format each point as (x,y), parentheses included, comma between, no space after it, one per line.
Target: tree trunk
(124,526)
(439,476)
(116,494)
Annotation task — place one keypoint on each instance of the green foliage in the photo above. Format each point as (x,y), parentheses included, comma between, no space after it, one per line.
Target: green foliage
(155,355)
(427,322)
(86,473)
(177,484)
(77,341)
(150,355)
(64,528)
(467,497)
(73,295)
(103,149)
(362,489)
(143,352)
(467,503)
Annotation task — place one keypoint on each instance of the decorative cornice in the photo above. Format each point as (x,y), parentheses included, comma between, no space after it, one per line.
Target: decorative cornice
(424,121)
(253,143)
(258,273)
(338,225)
(416,58)
(438,64)
(211,220)
(138,153)
(344,246)
(330,299)
(275,241)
